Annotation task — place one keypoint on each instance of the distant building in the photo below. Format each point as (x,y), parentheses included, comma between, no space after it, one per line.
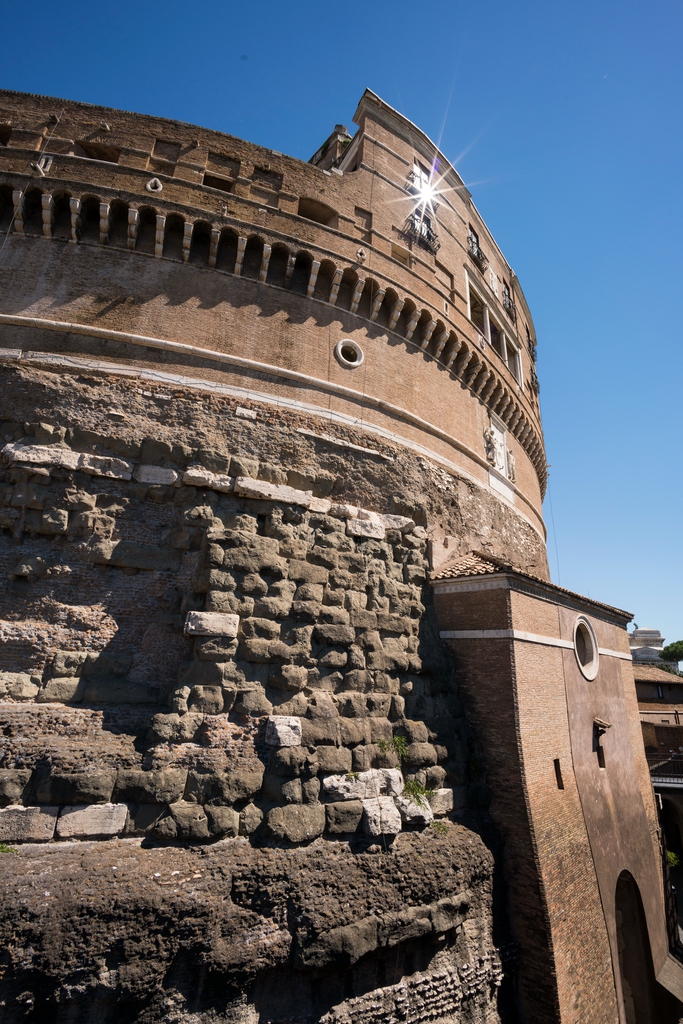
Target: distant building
(646,646)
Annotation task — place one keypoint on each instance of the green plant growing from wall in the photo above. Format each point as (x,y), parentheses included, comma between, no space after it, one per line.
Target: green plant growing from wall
(440,827)
(672,859)
(396,745)
(4,848)
(417,792)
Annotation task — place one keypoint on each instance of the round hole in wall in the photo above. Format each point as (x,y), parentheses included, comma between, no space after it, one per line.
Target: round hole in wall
(349,353)
(586,648)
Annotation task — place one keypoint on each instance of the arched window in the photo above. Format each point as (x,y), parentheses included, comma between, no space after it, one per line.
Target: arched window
(118,229)
(227,251)
(173,237)
(277,268)
(253,255)
(346,289)
(33,212)
(201,243)
(301,274)
(6,207)
(645,1002)
(61,216)
(90,219)
(147,230)
(324,283)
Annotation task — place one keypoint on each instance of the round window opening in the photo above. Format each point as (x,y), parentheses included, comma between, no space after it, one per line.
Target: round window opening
(348,352)
(586,648)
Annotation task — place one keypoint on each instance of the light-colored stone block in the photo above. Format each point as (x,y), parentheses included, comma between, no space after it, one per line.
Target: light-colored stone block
(381,817)
(261,489)
(365,528)
(197,476)
(343,511)
(62,689)
(212,624)
(441,802)
(283,731)
(246,414)
(364,785)
(42,455)
(320,505)
(27,824)
(19,685)
(156,475)
(101,465)
(401,523)
(414,812)
(92,821)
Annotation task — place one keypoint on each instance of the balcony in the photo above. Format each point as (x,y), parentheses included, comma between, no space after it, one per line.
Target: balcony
(666,770)
(510,307)
(418,228)
(477,255)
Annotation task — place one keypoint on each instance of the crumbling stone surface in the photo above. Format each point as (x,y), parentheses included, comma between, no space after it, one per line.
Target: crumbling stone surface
(222,933)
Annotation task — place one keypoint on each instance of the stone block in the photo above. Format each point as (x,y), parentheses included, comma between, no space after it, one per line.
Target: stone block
(251,818)
(322,505)
(207,699)
(333,759)
(27,824)
(99,465)
(211,624)
(21,686)
(154,787)
(54,522)
(68,663)
(90,787)
(401,523)
(363,785)
(305,572)
(365,528)
(62,690)
(334,634)
(414,812)
(223,821)
(297,823)
(156,475)
(198,476)
(94,821)
(441,802)
(344,816)
(283,731)
(13,782)
(343,511)
(291,762)
(127,554)
(420,755)
(190,820)
(247,487)
(107,690)
(174,728)
(142,818)
(253,702)
(40,455)
(381,817)
(290,678)
(320,731)
(222,787)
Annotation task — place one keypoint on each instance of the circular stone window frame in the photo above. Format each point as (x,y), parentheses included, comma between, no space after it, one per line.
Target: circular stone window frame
(589,669)
(348,343)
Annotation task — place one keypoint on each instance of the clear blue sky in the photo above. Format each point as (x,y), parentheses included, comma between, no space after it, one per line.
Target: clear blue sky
(565,121)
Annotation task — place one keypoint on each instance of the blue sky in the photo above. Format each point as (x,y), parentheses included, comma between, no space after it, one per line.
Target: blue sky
(564,119)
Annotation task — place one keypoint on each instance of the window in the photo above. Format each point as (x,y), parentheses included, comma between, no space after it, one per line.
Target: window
(222,184)
(164,156)
(95,151)
(660,691)
(400,254)
(421,176)
(501,343)
(363,220)
(312,209)
(5,132)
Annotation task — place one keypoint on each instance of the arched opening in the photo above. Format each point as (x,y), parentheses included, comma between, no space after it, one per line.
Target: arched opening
(324,283)
(367,298)
(645,1002)
(405,317)
(33,212)
(321,213)
(147,230)
(90,219)
(118,225)
(386,309)
(277,268)
(6,207)
(346,289)
(227,251)
(173,237)
(61,216)
(301,274)
(253,254)
(201,243)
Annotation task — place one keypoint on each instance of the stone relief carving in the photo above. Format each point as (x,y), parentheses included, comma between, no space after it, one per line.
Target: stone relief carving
(491,444)
(511,465)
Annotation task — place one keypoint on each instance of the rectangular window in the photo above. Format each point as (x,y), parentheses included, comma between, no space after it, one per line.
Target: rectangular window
(421,175)
(96,151)
(660,691)
(477,315)
(400,254)
(211,181)
(558,773)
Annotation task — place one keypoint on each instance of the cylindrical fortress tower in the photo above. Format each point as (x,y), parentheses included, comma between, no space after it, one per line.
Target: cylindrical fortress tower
(251,407)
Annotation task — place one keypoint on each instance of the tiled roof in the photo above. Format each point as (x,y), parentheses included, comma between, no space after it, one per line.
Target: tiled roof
(484,564)
(652,674)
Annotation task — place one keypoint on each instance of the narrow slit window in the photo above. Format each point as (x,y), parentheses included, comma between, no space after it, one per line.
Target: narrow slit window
(558,773)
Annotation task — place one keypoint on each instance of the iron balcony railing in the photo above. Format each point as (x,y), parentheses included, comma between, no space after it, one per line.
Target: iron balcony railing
(418,228)
(666,768)
(510,307)
(475,252)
